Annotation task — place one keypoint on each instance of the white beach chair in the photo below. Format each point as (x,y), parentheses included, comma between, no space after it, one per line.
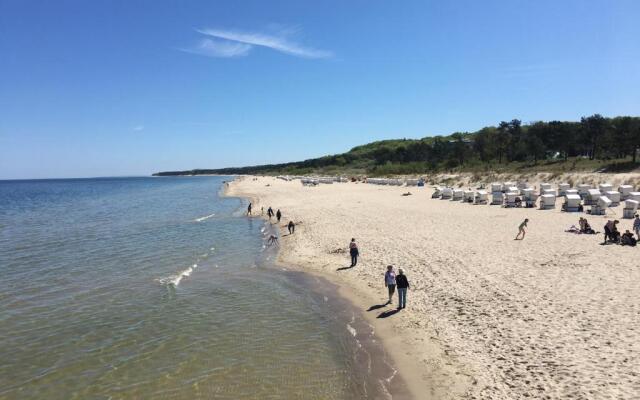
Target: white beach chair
(545,186)
(469,196)
(592,197)
(549,191)
(437,192)
(510,199)
(630,208)
(547,201)
(572,203)
(605,187)
(458,194)
(562,189)
(571,191)
(624,191)
(496,187)
(497,198)
(482,197)
(447,193)
(507,185)
(583,190)
(634,196)
(600,207)
(614,196)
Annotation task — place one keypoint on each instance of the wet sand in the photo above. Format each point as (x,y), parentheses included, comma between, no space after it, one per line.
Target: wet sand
(552,316)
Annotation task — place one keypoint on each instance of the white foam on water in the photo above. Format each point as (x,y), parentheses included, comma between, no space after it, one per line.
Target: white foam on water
(203,218)
(174,280)
(352,330)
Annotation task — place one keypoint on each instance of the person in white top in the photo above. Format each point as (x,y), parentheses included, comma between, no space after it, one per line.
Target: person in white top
(390,282)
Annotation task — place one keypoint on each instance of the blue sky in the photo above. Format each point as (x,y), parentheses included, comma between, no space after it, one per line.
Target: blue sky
(104,88)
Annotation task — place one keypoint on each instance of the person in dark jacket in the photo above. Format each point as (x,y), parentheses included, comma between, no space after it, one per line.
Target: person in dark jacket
(249,209)
(278,215)
(402,284)
(353,250)
(292,227)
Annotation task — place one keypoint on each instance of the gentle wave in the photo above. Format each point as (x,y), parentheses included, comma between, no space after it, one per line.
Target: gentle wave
(174,280)
(203,218)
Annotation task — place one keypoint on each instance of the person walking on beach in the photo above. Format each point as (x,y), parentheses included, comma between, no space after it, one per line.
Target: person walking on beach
(403,285)
(270,213)
(390,282)
(521,229)
(636,226)
(353,250)
(249,209)
(278,215)
(292,227)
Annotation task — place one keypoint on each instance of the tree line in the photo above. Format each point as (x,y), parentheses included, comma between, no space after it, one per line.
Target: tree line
(593,137)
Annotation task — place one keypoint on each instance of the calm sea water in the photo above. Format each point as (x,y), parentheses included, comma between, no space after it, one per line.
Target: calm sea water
(130,288)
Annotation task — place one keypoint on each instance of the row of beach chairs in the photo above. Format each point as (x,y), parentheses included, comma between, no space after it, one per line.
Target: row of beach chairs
(510,194)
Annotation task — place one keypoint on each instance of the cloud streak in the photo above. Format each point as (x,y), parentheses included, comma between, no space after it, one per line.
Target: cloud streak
(277,43)
(230,44)
(218,48)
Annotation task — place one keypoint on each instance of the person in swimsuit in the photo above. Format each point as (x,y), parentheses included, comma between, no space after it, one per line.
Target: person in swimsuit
(521,229)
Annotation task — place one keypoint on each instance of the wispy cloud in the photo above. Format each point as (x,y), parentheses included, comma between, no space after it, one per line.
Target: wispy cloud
(219,48)
(138,128)
(228,43)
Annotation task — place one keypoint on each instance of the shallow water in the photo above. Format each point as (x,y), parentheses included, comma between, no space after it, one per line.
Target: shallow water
(157,287)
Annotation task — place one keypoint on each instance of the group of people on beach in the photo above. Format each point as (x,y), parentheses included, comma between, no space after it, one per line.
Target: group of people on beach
(392,281)
(273,239)
(612,233)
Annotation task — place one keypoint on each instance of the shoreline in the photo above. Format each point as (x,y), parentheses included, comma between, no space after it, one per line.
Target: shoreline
(425,374)
(371,352)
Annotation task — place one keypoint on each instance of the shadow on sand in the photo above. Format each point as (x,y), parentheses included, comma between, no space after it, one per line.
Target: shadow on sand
(377,306)
(388,313)
(343,268)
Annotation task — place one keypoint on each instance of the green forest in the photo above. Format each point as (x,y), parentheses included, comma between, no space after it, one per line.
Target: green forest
(594,143)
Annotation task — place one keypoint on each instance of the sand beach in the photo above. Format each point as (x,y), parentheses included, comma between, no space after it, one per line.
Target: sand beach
(554,316)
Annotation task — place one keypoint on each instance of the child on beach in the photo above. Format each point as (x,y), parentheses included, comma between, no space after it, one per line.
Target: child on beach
(521,229)
(353,251)
(636,226)
(273,239)
(390,282)
(403,285)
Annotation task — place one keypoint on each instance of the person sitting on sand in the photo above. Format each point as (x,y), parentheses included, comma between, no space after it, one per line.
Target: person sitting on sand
(353,251)
(627,239)
(586,228)
(273,239)
(403,285)
(291,227)
(636,226)
(521,229)
(390,282)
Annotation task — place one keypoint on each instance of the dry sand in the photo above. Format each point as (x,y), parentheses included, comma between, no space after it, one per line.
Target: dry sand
(554,316)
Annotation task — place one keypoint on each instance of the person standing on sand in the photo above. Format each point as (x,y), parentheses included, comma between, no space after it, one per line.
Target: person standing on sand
(278,215)
(292,227)
(403,285)
(390,282)
(249,209)
(636,226)
(521,229)
(353,250)
(270,212)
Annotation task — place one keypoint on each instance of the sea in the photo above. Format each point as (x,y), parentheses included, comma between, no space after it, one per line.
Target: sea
(162,288)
